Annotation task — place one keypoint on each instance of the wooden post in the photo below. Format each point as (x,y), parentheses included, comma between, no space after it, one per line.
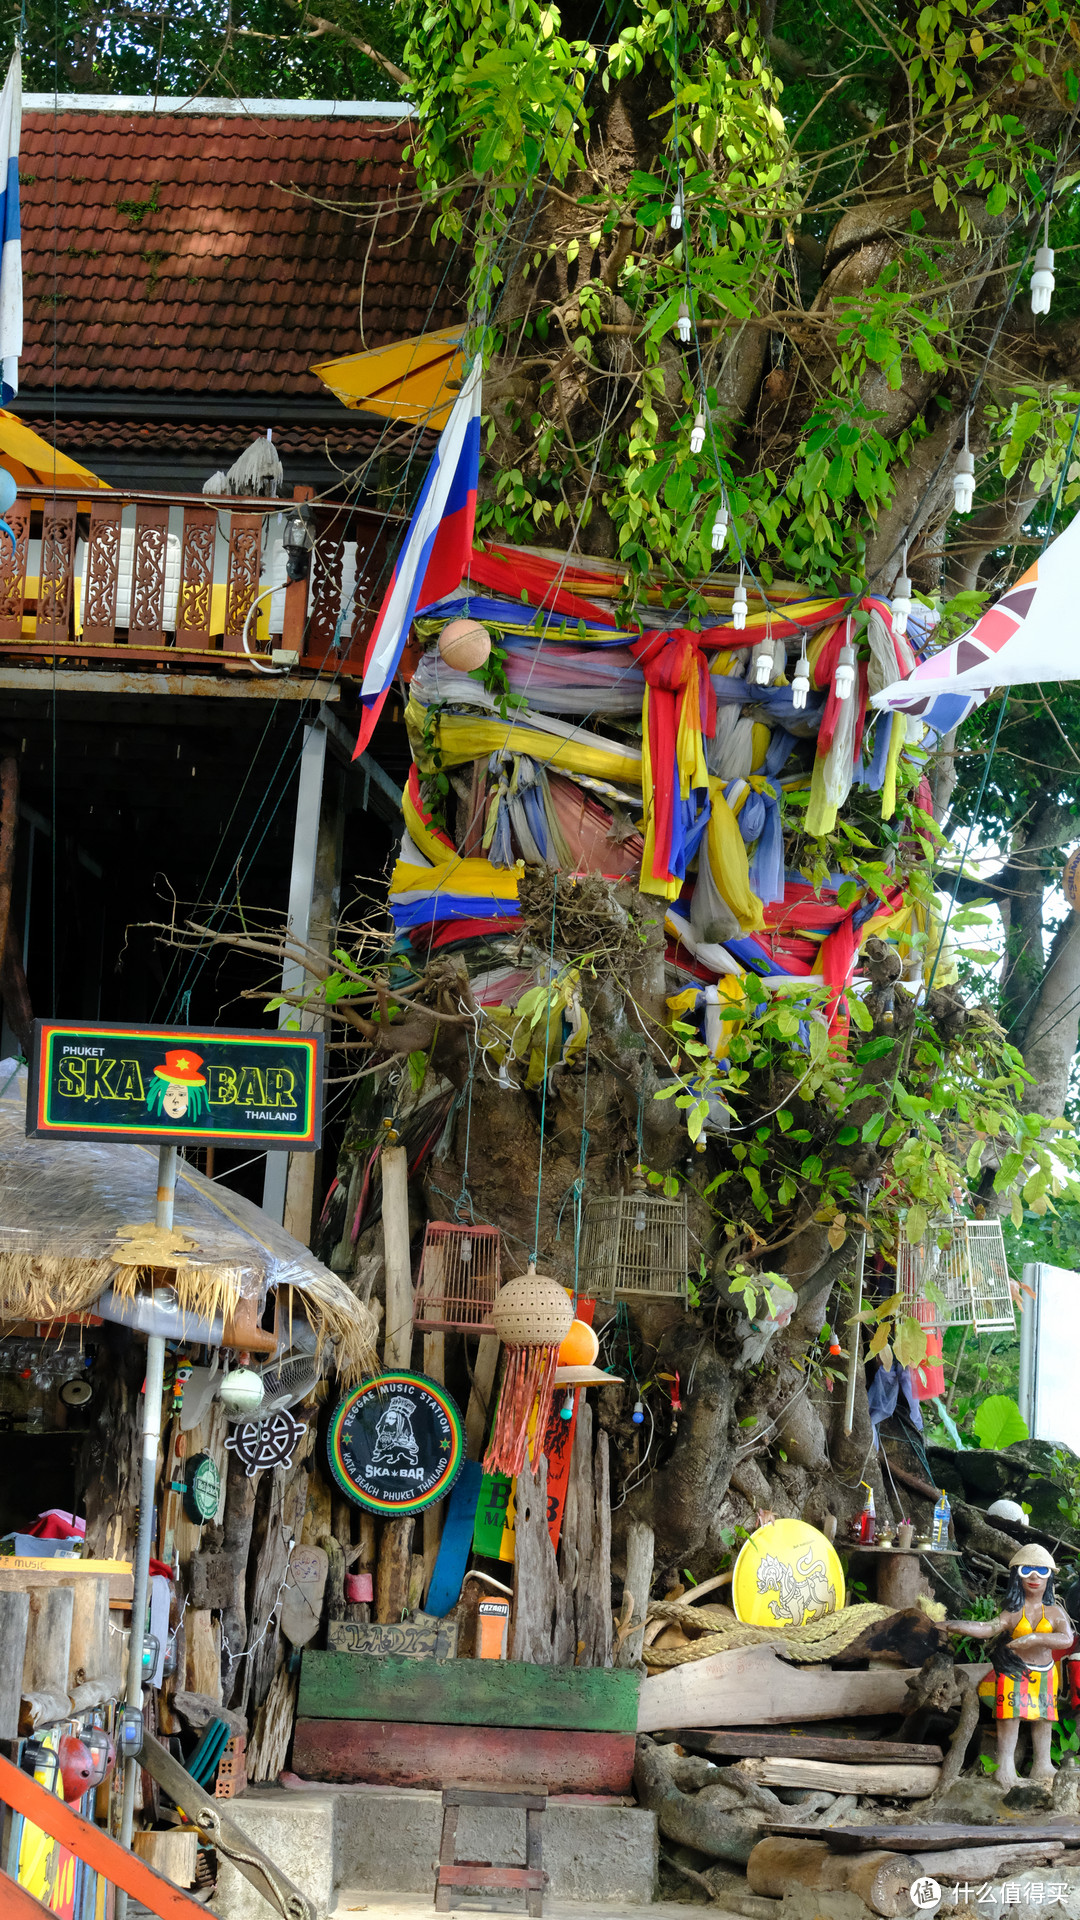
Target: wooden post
(296,596)
(395,1568)
(478,1411)
(397,1342)
(639,1572)
(48,1642)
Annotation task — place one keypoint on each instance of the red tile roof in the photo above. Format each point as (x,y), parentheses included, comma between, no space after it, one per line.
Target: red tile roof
(180,252)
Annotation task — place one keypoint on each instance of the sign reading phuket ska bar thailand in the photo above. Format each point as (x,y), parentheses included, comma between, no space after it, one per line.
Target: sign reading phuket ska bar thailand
(93,1081)
(396,1443)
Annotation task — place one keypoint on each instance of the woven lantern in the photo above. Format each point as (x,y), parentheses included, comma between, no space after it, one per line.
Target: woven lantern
(532,1317)
(464,645)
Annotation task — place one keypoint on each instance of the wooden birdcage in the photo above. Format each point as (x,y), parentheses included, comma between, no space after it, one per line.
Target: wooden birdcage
(969,1272)
(459,1278)
(635,1242)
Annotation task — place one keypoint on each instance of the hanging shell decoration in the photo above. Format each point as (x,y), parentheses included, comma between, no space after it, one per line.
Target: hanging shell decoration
(532,1317)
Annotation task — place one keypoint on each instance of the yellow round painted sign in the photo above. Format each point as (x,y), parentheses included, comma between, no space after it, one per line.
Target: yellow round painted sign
(786,1574)
(1070,880)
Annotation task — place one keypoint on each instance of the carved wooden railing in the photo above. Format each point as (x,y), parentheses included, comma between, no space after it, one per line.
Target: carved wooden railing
(141,600)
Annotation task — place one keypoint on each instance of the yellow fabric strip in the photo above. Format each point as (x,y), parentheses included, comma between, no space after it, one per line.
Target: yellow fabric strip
(897,738)
(466,736)
(423,838)
(457,876)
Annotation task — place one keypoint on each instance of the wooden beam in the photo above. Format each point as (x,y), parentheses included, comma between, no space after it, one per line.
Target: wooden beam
(411,1754)
(184,685)
(89,1843)
(925,1839)
(397,1345)
(484,1693)
(805,1746)
(752,1684)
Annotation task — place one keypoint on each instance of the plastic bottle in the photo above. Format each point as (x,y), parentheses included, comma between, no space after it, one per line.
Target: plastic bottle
(867,1523)
(939,1531)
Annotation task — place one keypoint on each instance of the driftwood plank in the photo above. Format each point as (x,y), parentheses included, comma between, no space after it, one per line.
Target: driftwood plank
(14,1617)
(806,1746)
(755,1684)
(487,1693)
(930,1838)
(902,1783)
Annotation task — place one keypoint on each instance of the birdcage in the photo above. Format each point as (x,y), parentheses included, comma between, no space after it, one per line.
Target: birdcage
(459,1278)
(969,1273)
(634,1242)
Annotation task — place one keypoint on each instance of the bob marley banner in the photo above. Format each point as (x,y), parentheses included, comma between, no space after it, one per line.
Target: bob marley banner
(93,1081)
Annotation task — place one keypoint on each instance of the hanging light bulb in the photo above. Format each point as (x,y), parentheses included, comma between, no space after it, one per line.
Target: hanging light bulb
(738,605)
(638,1415)
(639,1217)
(964,476)
(1042,280)
(720,526)
(682,324)
(901,600)
(466,1248)
(697,432)
(763,664)
(678,208)
(800,683)
(844,678)
(566,1411)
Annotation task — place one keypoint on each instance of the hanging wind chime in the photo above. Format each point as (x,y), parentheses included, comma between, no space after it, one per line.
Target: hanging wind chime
(532,1316)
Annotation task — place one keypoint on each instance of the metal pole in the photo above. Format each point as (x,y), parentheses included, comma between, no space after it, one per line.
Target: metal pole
(301,892)
(151,1436)
(855,1342)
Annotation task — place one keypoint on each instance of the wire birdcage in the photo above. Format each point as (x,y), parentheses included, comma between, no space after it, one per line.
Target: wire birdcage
(635,1242)
(459,1278)
(970,1273)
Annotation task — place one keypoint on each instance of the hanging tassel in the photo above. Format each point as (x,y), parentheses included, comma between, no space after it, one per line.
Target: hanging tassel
(528,1376)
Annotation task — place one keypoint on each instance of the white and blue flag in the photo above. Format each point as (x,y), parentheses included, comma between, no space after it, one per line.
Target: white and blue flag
(11,297)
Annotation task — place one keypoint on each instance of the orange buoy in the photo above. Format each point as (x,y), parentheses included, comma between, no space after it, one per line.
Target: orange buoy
(580,1347)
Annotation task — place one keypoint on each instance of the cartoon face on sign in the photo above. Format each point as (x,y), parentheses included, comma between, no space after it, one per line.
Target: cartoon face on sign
(395,1441)
(177,1088)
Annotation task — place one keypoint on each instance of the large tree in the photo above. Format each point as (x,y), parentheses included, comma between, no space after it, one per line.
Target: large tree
(845,205)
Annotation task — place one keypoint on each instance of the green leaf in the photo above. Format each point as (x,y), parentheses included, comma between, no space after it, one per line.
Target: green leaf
(997,199)
(874,1050)
(915,1224)
(909,1342)
(847,1136)
(999,1422)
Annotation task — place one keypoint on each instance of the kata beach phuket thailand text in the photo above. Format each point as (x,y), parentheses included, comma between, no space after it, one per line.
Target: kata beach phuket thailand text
(540,959)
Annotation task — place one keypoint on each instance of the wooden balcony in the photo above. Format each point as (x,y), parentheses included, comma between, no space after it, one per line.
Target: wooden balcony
(143,580)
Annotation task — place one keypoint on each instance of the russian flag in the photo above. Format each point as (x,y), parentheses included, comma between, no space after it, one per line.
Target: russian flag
(11,295)
(435,557)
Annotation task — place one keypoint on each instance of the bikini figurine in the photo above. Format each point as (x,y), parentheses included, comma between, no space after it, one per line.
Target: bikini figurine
(1027,1634)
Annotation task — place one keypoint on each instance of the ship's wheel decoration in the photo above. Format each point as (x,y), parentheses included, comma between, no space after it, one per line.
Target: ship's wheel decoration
(266,1443)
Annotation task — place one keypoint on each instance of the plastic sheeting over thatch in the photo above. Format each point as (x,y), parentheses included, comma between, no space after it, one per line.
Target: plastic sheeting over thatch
(77,1219)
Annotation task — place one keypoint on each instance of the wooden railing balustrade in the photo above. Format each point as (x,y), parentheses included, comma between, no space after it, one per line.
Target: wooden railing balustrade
(147,596)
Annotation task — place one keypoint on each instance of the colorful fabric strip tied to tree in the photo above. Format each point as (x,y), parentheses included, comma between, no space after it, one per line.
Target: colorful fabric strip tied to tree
(679,712)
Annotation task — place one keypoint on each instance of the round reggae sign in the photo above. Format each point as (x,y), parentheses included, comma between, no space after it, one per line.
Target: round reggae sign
(396,1443)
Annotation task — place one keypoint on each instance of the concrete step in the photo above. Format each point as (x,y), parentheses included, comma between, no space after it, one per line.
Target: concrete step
(335,1838)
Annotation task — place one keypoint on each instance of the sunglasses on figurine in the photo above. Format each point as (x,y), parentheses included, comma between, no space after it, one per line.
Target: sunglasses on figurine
(1027,1572)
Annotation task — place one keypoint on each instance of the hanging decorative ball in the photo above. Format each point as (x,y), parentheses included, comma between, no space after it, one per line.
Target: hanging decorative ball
(682,324)
(964,481)
(697,433)
(739,608)
(241,1391)
(844,680)
(580,1347)
(1042,280)
(720,528)
(800,681)
(532,1311)
(465,645)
